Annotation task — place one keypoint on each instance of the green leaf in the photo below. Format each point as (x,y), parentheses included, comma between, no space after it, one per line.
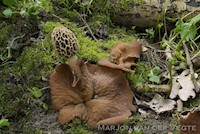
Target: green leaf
(154,78)
(4,123)
(9,2)
(192,33)
(160,25)
(153,75)
(195,19)
(151,32)
(179,55)
(179,26)
(36,92)
(45,106)
(7,12)
(156,70)
(172,20)
(137,79)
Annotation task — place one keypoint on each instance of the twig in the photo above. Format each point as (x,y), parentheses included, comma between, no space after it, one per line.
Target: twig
(189,14)
(87,26)
(159,88)
(189,63)
(10,62)
(196,55)
(151,47)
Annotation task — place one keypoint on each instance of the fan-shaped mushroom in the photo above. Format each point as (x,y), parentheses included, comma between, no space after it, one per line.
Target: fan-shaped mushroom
(123,56)
(111,106)
(65,44)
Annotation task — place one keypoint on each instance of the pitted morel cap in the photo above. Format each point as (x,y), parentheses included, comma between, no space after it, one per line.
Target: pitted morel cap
(64,41)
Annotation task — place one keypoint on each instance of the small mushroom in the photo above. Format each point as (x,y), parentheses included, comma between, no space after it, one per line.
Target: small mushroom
(65,44)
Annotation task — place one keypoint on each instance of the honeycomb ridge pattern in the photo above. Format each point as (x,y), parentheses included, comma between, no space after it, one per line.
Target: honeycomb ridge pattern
(65,42)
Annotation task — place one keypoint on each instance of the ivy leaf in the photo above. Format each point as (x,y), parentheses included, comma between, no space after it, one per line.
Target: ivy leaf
(36,92)
(7,12)
(4,123)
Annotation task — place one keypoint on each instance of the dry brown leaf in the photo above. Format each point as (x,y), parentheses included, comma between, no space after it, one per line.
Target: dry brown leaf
(190,123)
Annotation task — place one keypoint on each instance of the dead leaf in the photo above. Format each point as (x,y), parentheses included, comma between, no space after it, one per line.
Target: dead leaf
(183,86)
(190,123)
(175,88)
(168,53)
(179,105)
(160,105)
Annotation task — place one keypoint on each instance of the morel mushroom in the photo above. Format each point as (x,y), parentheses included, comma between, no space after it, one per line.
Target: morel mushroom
(65,44)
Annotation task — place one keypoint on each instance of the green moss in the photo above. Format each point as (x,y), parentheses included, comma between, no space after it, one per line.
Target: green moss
(4,34)
(49,26)
(10,104)
(193,103)
(133,123)
(47,5)
(77,127)
(175,122)
(141,75)
(90,49)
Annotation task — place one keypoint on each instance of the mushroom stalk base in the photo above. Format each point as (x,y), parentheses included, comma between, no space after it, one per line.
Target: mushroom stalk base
(74,65)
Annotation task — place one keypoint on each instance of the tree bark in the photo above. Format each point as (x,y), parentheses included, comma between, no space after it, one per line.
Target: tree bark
(149,12)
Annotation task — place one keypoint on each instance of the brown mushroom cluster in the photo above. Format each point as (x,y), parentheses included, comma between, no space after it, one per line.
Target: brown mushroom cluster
(102,95)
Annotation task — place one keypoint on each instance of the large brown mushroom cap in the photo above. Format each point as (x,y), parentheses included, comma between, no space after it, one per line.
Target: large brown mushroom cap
(64,41)
(102,97)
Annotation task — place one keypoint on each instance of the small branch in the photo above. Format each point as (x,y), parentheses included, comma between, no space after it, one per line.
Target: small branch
(155,88)
(87,26)
(196,55)
(189,63)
